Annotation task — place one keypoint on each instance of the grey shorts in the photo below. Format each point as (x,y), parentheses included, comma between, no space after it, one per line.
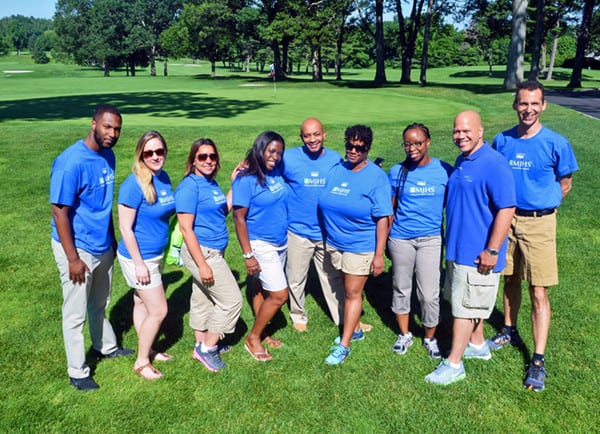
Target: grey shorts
(472,294)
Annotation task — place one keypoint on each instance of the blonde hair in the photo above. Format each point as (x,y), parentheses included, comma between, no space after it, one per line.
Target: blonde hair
(143,172)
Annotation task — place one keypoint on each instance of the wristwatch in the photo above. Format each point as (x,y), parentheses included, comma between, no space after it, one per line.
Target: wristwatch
(492,252)
(248,255)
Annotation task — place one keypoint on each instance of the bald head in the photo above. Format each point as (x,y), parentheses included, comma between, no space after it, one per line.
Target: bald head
(468,132)
(313,135)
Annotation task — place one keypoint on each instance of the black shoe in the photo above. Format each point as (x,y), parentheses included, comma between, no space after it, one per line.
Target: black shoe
(119,352)
(85,383)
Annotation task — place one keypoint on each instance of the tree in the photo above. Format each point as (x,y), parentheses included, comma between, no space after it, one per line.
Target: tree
(408,32)
(582,43)
(537,39)
(516,50)
(488,29)
(377,35)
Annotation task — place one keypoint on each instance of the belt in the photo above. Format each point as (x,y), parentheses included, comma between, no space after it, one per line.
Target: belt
(534,213)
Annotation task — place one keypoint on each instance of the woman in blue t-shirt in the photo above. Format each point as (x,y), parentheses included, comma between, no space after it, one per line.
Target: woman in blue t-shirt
(355,207)
(260,216)
(415,241)
(216,300)
(146,202)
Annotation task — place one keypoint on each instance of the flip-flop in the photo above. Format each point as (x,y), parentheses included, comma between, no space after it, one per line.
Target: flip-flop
(160,356)
(261,356)
(155,371)
(272,342)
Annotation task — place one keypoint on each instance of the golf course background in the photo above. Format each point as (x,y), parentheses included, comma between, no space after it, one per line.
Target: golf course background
(374,391)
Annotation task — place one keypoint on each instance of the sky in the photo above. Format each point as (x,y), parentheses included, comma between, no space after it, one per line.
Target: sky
(28,8)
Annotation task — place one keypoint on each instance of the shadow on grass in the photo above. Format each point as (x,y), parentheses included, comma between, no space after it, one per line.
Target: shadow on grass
(278,322)
(190,105)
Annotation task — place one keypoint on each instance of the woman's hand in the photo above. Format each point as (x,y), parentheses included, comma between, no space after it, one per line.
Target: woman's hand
(378,265)
(252,266)
(206,275)
(142,274)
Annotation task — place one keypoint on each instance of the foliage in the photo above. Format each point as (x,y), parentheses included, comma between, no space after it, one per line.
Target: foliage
(20,32)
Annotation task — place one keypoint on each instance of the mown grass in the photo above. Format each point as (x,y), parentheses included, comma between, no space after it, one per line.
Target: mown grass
(43,112)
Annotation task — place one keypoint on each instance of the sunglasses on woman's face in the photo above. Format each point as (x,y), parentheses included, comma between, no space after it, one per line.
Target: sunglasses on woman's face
(159,153)
(204,157)
(359,148)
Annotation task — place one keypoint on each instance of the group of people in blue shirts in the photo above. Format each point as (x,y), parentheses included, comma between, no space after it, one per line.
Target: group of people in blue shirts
(303,205)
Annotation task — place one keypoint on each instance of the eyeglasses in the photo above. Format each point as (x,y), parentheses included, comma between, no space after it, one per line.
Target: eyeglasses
(359,148)
(159,153)
(204,157)
(416,145)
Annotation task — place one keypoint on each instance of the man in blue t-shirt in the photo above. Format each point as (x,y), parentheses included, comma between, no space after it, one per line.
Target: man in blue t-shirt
(542,163)
(305,172)
(479,209)
(83,241)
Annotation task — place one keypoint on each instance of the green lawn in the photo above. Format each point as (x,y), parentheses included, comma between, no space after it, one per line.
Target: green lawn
(44,111)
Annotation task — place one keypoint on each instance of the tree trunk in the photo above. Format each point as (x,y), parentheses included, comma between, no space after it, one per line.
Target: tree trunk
(553,54)
(516,49)
(543,59)
(165,68)
(132,66)
(213,68)
(379,44)
(538,36)
(582,43)
(106,69)
(285,46)
(153,61)
(426,37)
(277,60)
(317,71)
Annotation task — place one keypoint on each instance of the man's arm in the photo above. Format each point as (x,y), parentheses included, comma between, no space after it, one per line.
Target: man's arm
(77,268)
(486,261)
(566,183)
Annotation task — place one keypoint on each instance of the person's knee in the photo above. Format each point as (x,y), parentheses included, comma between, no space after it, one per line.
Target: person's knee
(279,297)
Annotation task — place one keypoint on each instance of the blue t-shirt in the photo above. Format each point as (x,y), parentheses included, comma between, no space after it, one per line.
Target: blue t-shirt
(151,225)
(84,180)
(350,205)
(267,206)
(537,164)
(478,187)
(306,177)
(204,199)
(420,209)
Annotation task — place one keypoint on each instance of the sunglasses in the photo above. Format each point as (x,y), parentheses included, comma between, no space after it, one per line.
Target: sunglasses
(159,153)
(204,157)
(359,148)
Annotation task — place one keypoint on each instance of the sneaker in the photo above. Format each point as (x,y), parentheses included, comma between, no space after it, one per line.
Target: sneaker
(445,374)
(473,353)
(402,343)
(210,359)
(338,355)
(119,352)
(433,350)
(536,376)
(503,338)
(356,336)
(224,348)
(85,383)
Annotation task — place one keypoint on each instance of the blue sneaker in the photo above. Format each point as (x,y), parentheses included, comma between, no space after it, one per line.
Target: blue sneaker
(504,338)
(473,353)
(536,376)
(445,374)
(210,359)
(356,336)
(338,355)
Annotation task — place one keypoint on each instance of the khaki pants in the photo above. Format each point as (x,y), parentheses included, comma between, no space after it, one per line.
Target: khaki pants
(92,298)
(300,252)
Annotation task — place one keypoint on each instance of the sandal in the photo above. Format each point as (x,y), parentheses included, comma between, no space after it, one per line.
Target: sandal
(260,356)
(272,342)
(160,357)
(152,369)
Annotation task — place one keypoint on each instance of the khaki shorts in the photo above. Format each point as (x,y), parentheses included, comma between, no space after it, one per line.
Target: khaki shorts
(154,265)
(531,253)
(472,294)
(357,264)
